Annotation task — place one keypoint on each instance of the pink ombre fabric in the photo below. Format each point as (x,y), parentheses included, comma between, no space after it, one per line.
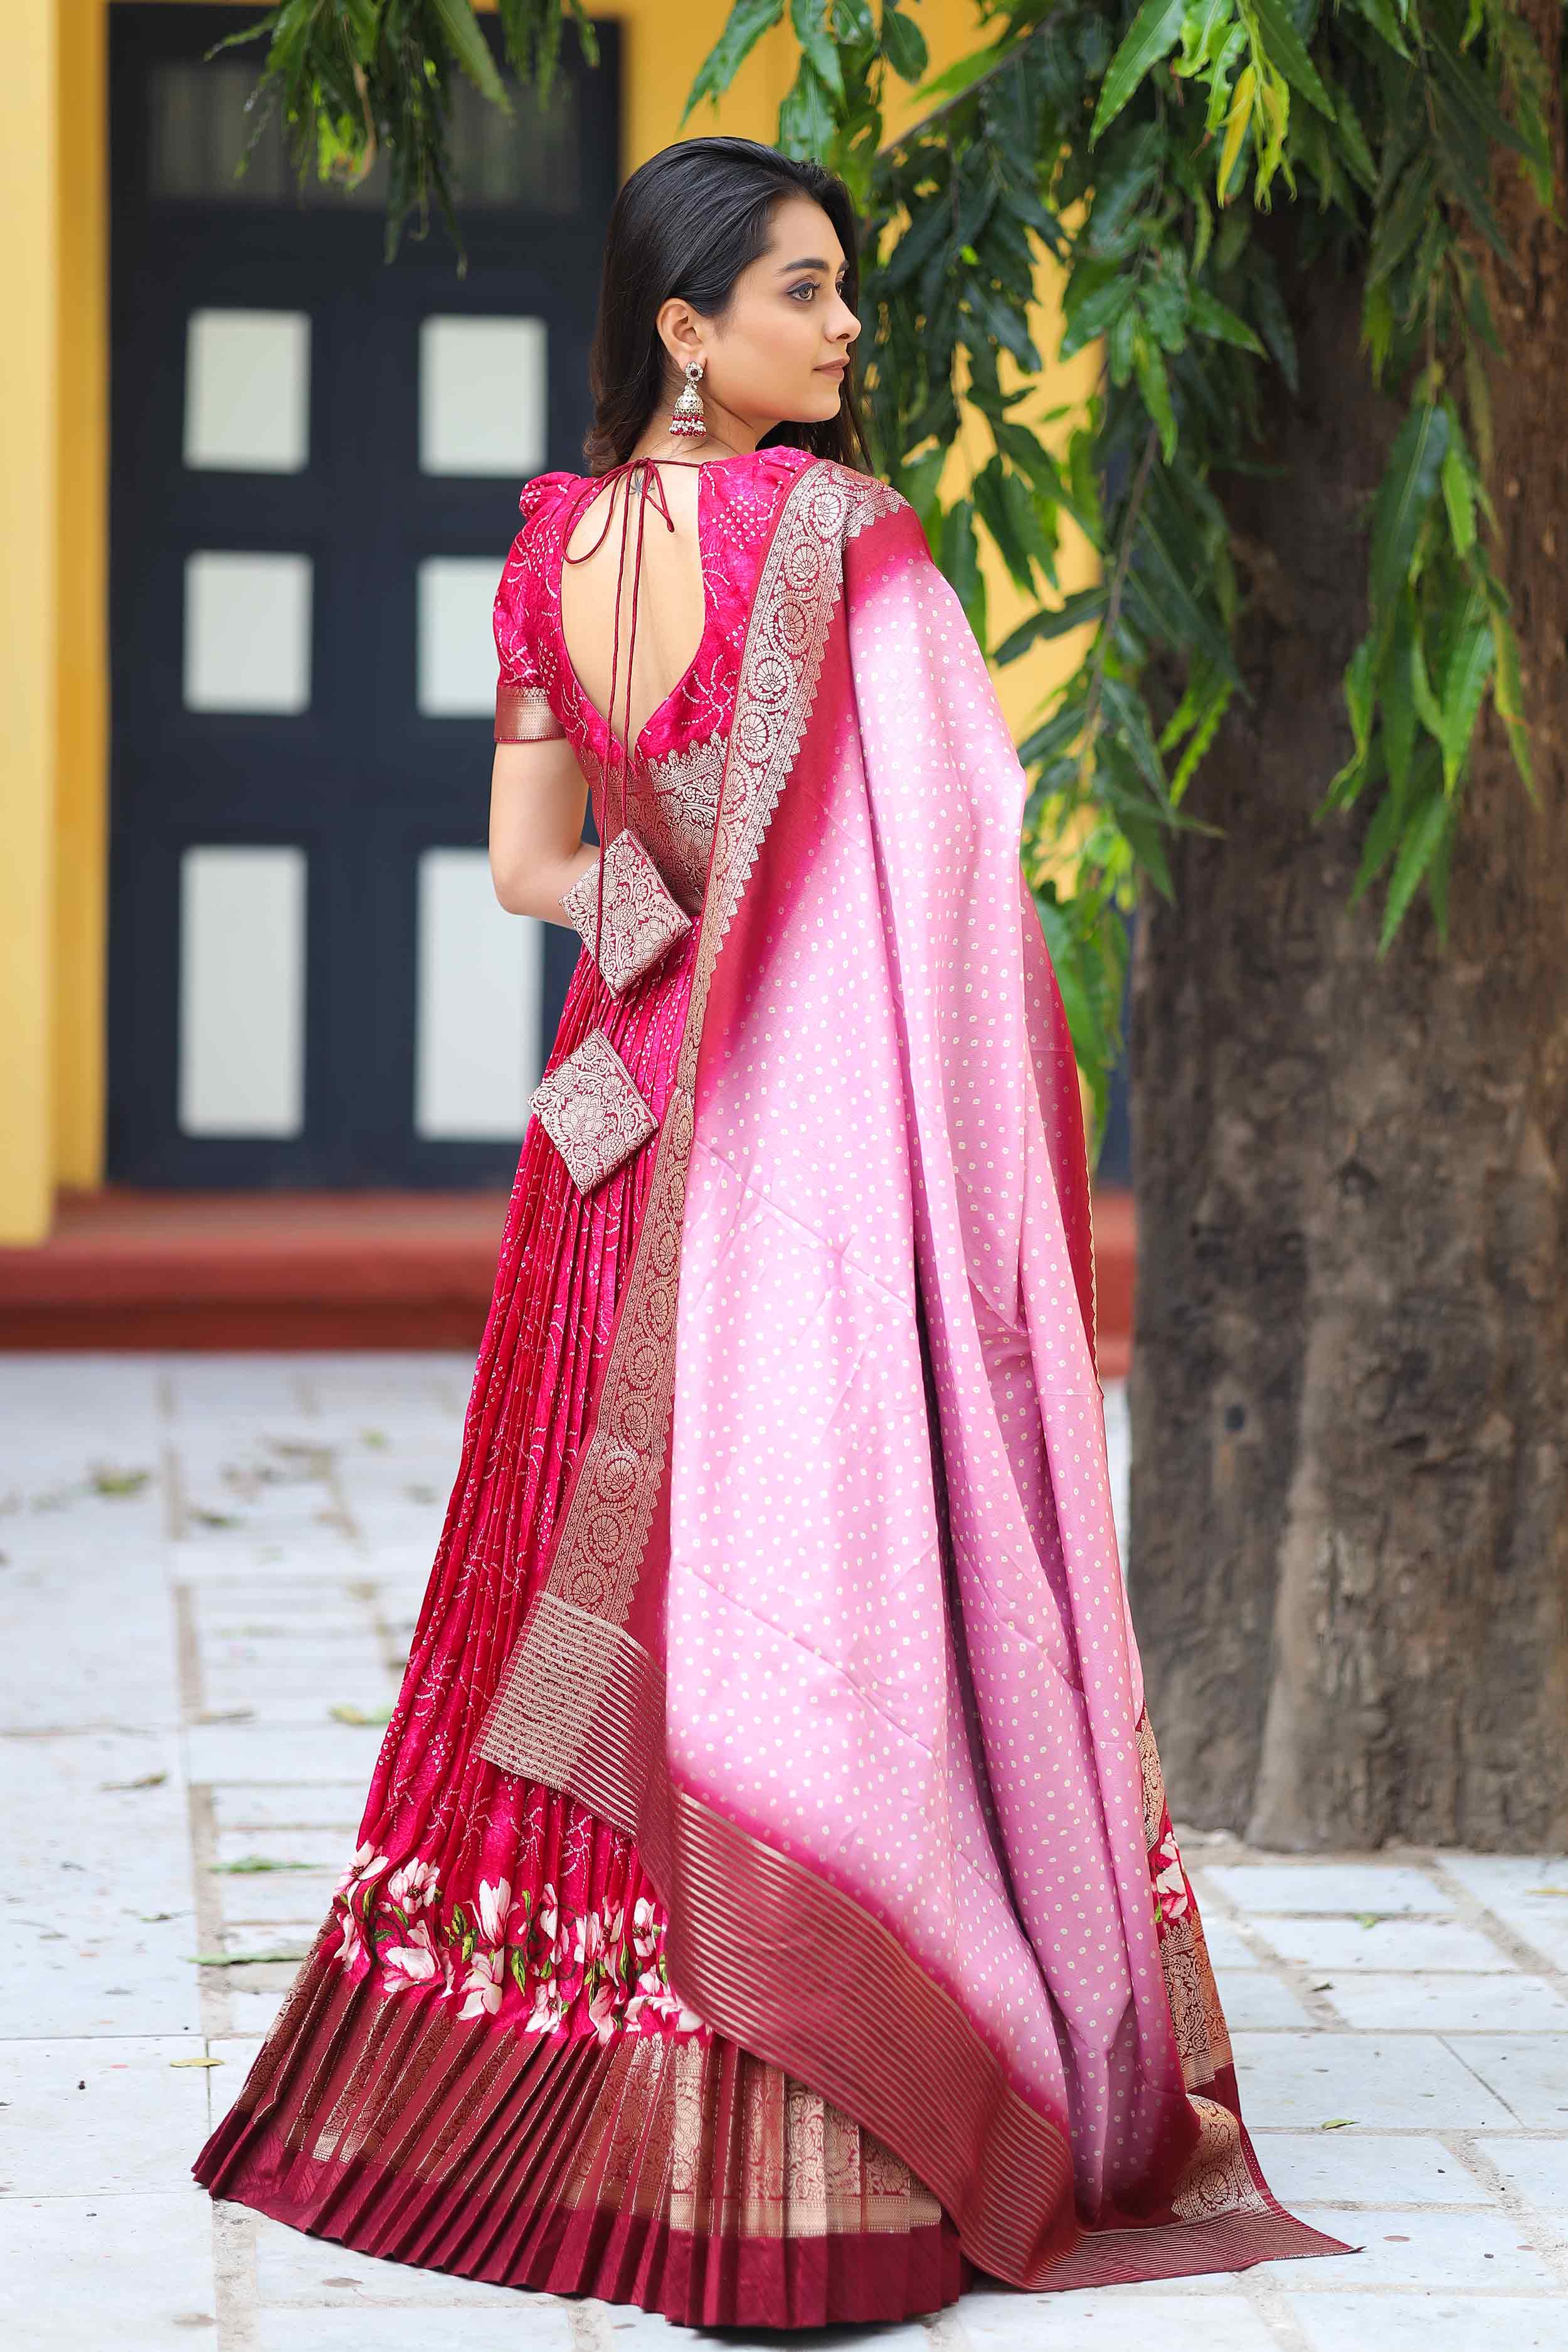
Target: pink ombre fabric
(877,1130)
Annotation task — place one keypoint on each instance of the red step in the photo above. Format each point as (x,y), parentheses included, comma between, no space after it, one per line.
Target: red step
(279,1270)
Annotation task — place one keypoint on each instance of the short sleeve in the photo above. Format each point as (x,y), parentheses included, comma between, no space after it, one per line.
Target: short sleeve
(524,714)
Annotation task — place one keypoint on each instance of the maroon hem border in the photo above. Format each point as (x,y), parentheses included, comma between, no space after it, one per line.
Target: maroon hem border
(614,2256)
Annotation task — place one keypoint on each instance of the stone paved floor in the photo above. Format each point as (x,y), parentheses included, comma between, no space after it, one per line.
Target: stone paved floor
(209,1563)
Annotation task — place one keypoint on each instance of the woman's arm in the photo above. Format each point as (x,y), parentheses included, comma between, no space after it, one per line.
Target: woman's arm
(538,800)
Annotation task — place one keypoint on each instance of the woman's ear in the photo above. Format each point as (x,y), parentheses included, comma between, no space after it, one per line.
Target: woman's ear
(677,331)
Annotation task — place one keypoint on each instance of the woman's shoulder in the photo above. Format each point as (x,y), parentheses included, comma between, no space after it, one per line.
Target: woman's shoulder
(542,491)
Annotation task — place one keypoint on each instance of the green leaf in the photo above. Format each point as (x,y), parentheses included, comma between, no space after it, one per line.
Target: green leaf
(1095,315)
(990,497)
(1353,140)
(1153,32)
(1075,613)
(1078,1002)
(1236,128)
(1400,697)
(1464,683)
(1127,707)
(961,562)
(1508,695)
(1155,386)
(1466,87)
(918,480)
(1286,51)
(1416,854)
(1402,223)
(246,1959)
(748,21)
(927,232)
(1459,498)
(472,51)
(1378,847)
(1358,693)
(1380,16)
(1212,317)
(1216,703)
(903,45)
(1057,736)
(810,30)
(1424,702)
(250,1865)
(1403,497)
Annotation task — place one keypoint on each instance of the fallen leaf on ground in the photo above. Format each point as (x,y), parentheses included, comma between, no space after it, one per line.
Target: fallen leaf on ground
(239,1959)
(107,1480)
(1369,1919)
(1336,2123)
(345,1713)
(249,1863)
(148,1780)
(195,2061)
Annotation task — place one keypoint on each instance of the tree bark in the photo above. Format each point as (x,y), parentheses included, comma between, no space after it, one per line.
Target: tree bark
(1349,1388)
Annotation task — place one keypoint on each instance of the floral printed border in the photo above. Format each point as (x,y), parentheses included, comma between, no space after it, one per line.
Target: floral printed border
(569,1975)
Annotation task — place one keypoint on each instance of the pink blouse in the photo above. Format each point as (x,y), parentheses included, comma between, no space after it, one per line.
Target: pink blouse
(678,757)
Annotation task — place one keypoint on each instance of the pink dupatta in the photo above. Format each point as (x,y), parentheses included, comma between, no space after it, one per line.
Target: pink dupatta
(835,1624)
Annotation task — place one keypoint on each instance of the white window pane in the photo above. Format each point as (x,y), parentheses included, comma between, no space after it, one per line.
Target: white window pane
(477,1043)
(456,669)
(248,632)
(482,398)
(242,991)
(248,391)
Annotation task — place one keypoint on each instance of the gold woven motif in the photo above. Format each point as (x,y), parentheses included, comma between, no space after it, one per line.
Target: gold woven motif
(589,1106)
(638,921)
(1217,2178)
(523,715)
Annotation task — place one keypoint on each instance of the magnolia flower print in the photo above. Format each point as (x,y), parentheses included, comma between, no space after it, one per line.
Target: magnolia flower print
(484,1985)
(544,1964)
(1173,1895)
(411,1963)
(366,1864)
(494,1905)
(413,1887)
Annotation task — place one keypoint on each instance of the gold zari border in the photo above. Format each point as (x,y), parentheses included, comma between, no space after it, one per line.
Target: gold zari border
(604,1529)
(523,715)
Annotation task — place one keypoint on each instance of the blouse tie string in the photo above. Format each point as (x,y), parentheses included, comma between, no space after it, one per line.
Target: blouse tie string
(651,480)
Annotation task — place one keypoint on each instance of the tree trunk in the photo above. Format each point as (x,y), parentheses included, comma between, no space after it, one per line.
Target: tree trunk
(1349,1392)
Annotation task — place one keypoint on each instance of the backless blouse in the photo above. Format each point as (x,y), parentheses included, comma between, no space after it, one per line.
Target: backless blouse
(678,757)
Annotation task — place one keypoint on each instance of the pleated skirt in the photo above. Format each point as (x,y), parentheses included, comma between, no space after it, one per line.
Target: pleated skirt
(482,2066)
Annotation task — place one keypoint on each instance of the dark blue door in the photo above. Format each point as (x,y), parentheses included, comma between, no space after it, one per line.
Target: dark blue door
(315,462)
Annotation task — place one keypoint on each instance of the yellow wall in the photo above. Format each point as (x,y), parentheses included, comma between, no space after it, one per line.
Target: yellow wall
(82,660)
(28,207)
(54,768)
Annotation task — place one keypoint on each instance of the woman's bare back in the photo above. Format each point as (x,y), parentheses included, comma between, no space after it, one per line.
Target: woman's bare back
(670,598)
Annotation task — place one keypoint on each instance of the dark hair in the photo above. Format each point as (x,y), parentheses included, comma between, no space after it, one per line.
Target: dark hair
(686,223)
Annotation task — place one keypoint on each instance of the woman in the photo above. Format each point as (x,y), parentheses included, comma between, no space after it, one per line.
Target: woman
(766,1909)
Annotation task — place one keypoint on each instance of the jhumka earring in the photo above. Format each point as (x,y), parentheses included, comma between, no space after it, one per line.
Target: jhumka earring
(689,421)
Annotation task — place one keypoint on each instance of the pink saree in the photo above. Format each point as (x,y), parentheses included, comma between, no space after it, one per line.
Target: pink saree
(767,1908)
